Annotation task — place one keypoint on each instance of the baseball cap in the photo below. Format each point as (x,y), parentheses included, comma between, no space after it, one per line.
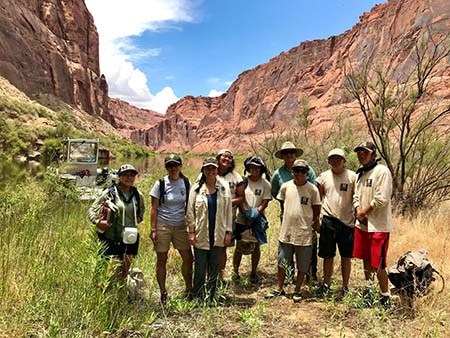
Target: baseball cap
(366,145)
(336,152)
(126,167)
(210,161)
(173,158)
(300,164)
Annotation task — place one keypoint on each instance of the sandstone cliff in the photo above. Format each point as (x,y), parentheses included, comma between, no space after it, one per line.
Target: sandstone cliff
(127,118)
(267,98)
(51,47)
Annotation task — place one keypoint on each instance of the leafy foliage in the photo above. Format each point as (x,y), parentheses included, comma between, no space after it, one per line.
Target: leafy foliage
(407,123)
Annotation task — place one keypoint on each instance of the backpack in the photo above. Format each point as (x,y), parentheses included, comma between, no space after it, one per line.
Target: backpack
(413,274)
(162,189)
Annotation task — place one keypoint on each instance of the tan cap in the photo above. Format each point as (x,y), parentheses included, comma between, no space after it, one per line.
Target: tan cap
(300,164)
(337,152)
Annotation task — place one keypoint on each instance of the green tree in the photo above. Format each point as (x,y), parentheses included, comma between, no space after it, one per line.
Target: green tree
(407,122)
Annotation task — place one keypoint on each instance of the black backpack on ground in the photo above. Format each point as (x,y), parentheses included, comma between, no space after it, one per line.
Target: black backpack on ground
(413,274)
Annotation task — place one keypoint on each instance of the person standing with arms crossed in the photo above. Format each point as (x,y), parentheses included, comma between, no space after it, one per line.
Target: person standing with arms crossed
(372,203)
(336,187)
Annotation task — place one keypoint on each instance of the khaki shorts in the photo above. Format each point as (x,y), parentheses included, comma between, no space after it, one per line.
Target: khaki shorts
(165,234)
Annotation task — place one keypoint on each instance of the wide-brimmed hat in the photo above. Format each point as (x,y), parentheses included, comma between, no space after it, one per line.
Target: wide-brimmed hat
(126,167)
(337,152)
(366,145)
(172,158)
(300,164)
(288,146)
(210,161)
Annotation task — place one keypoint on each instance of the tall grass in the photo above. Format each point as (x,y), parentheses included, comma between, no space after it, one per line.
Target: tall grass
(53,283)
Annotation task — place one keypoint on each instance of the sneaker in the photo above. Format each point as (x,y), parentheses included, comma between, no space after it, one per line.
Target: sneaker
(275,293)
(323,291)
(345,291)
(163,297)
(367,296)
(254,278)
(297,297)
(385,301)
(236,277)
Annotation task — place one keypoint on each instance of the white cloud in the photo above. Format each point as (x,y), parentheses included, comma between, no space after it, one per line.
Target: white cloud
(116,22)
(214,92)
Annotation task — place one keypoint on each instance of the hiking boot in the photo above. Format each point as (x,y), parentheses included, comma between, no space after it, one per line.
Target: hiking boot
(385,301)
(297,297)
(275,293)
(323,291)
(254,278)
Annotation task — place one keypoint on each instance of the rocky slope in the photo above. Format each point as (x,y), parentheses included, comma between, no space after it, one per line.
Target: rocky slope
(267,98)
(51,47)
(127,118)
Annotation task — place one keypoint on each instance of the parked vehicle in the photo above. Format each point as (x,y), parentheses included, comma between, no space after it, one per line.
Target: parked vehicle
(79,162)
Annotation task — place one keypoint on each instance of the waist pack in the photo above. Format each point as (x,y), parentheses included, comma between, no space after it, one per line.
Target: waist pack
(413,274)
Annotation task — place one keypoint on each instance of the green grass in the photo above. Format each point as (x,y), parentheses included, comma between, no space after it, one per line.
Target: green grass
(54,284)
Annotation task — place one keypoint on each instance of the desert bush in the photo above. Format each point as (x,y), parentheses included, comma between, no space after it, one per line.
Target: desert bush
(408,124)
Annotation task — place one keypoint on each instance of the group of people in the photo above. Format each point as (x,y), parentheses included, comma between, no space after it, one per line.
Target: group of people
(221,209)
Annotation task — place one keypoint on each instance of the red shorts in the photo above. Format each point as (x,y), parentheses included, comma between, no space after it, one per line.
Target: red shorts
(371,247)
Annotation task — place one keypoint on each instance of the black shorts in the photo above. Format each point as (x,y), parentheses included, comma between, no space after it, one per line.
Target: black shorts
(116,249)
(332,232)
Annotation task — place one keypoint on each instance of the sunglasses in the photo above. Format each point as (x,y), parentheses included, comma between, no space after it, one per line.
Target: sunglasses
(287,152)
(300,170)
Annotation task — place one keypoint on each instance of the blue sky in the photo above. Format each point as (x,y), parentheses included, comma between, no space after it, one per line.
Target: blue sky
(154,52)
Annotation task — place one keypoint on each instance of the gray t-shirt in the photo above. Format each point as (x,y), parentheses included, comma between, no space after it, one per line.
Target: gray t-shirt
(171,212)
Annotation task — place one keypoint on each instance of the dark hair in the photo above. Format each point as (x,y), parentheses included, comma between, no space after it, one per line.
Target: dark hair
(259,162)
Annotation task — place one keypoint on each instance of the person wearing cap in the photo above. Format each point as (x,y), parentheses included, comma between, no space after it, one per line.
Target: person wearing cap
(118,208)
(336,188)
(301,201)
(209,222)
(169,197)
(289,153)
(226,168)
(251,214)
(372,203)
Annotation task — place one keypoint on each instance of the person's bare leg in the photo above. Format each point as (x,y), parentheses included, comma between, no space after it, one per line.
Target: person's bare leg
(346,268)
(327,270)
(186,268)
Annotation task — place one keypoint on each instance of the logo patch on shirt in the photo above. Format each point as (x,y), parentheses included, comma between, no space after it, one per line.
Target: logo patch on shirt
(344,187)
(183,192)
(231,185)
(258,192)
(304,200)
(369,182)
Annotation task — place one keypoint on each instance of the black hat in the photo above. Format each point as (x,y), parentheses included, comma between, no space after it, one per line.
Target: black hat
(172,158)
(366,146)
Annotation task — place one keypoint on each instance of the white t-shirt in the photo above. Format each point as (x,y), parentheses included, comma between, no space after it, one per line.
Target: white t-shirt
(171,212)
(255,194)
(338,195)
(296,227)
(233,179)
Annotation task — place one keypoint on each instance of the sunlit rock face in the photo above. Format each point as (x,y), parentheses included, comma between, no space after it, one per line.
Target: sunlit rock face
(267,98)
(51,47)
